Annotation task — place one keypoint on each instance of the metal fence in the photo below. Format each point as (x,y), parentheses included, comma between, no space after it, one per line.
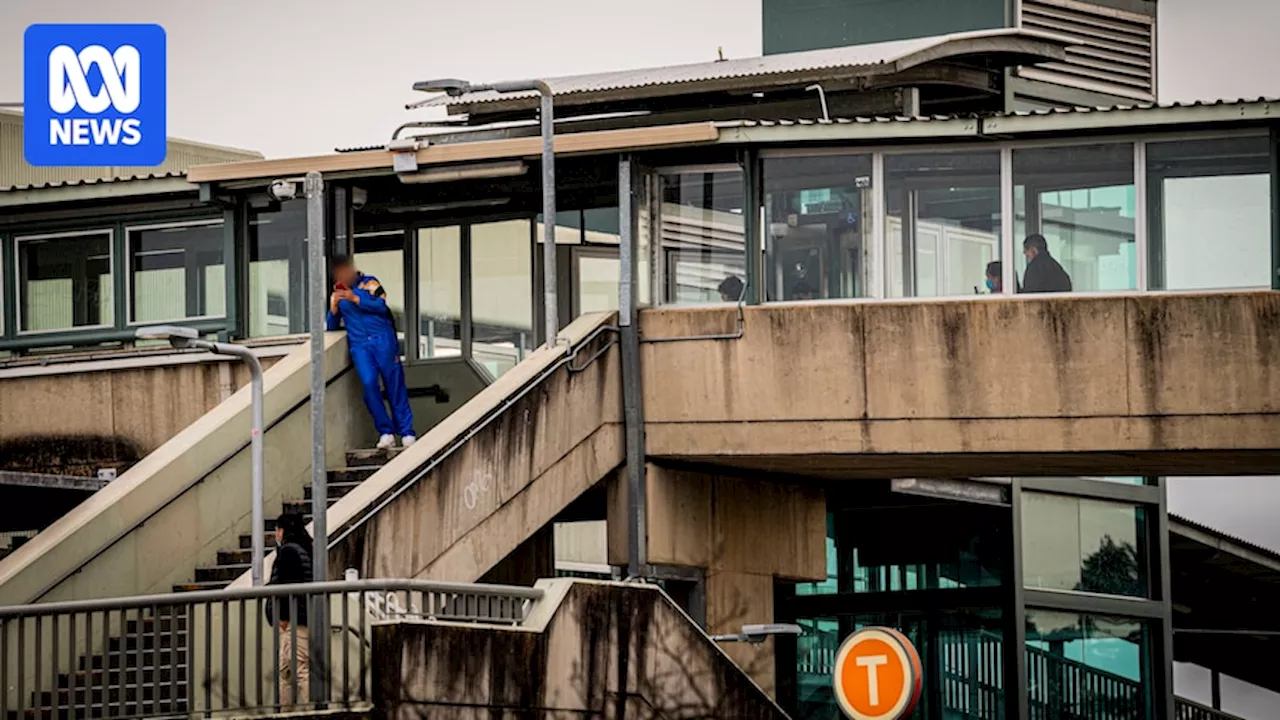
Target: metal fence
(213,652)
(1187,710)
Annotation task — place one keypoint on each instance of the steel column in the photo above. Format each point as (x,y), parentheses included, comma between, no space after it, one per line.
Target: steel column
(318,299)
(632,409)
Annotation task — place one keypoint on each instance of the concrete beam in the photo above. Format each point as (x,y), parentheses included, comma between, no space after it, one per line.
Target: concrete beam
(53,482)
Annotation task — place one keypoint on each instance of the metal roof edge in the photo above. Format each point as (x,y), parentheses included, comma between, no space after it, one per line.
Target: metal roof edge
(883,128)
(1138,115)
(102,190)
(1219,540)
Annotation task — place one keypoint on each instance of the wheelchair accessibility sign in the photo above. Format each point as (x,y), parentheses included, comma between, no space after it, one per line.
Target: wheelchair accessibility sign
(94,95)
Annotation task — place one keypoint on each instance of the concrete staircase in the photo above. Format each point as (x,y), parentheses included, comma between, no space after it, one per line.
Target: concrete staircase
(144,670)
(234,562)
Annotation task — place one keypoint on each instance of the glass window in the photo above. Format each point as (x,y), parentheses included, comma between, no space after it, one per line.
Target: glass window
(702,234)
(1071,543)
(1080,200)
(596,279)
(382,256)
(817,226)
(967,547)
(942,223)
(277,259)
(440,292)
(1087,666)
(64,282)
(501,294)
(1210,210)
(176,272)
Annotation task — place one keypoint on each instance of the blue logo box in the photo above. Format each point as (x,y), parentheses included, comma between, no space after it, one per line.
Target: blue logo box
(94,95)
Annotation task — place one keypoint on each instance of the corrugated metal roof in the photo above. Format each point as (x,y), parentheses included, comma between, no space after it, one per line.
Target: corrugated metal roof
(17,174)
(1227,537)
(96,181)
(833,63)
(1137,107)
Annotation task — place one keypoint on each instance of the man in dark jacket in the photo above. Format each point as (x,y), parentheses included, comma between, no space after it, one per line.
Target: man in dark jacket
(1043,273)
(292,566)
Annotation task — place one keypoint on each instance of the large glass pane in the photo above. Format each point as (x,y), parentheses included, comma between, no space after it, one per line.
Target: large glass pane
(596,277)
(1210,215)
(1086,545)
(277,258)
(382,256)
(1074,209)
(703,254)
(176,272)
(440,292)
(501,294)
(64,282)
(817,226)
(943,223)
(1087,666)
(966,547)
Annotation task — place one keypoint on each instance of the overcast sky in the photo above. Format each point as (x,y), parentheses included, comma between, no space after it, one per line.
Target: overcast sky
(291,77)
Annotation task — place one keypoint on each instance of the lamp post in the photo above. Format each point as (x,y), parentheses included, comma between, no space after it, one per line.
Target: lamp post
(185,337)
(456,88)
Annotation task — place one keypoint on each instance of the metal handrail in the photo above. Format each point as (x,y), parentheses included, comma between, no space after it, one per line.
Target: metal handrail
(221,651)
(1190,710)
(268,591)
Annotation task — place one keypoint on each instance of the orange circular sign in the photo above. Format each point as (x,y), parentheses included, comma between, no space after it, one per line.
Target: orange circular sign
(877,675)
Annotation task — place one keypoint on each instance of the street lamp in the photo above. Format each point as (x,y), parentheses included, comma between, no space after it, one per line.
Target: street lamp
(756,634)
(183,338)
(454,87)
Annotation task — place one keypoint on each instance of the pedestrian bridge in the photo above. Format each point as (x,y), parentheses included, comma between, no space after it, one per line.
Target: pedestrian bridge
(1153,384)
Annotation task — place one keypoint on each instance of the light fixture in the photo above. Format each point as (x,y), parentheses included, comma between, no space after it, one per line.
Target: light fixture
(452,173)
(756,634)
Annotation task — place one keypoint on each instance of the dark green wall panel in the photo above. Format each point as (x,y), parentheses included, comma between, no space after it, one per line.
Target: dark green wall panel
(792,25)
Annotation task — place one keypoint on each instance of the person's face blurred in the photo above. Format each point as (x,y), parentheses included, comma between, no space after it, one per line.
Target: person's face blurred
(279,535)
(993,283)
(1030,253)
(724,297)
(345,274)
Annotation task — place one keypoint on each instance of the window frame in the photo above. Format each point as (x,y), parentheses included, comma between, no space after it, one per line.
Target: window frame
(17,240)
(128,230)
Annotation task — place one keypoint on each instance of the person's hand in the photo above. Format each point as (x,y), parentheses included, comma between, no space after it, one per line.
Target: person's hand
(333,303)
(349,296)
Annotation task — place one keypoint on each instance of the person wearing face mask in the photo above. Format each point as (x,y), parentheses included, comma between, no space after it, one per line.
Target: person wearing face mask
(995,278)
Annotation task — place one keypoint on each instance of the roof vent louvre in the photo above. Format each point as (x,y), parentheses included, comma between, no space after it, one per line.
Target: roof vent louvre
(1117,51)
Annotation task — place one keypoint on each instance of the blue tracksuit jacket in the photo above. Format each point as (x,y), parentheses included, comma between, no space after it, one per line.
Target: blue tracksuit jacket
(375,352)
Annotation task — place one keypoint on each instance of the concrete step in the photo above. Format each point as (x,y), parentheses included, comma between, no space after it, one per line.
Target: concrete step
(147,643)
(351,474)
(221,573)
(371,457)
(153,695)
(336,490)
(199,586)
(115,661)
(246,541)
(303,507)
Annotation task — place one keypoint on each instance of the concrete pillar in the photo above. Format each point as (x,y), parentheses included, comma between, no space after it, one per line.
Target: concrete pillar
(744,533)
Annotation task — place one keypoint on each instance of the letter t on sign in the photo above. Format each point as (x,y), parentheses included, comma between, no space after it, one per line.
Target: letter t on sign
(871,662)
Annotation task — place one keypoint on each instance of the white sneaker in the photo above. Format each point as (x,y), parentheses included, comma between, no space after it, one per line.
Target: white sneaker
(408,440)
(386,442)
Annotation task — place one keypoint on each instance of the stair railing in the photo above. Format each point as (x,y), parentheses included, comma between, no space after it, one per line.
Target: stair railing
(214,652)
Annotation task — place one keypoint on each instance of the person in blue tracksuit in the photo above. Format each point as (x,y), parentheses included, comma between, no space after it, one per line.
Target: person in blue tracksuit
(359,303)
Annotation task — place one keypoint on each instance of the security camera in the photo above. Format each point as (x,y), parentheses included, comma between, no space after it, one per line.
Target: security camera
(282,190)
(359,198)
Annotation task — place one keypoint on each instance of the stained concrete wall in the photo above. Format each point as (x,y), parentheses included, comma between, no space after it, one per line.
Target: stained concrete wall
(1154,384)
(139,402)
(175,509)
(484,499)
(742,532)
(590,650)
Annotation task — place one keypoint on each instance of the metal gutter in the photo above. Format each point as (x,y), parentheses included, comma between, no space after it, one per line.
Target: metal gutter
(1123,118)
(102,190)
(764,132)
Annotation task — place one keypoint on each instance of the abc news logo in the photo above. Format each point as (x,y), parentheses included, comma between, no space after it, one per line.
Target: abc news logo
(94,95)
(121,90)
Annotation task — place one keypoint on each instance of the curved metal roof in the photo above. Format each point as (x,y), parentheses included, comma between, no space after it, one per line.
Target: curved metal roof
(1004,47)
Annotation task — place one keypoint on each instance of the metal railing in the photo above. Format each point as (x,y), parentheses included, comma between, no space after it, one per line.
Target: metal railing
(215,652)
(1188,710)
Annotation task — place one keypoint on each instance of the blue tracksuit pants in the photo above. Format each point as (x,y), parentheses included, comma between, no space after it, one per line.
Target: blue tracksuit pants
(379,360)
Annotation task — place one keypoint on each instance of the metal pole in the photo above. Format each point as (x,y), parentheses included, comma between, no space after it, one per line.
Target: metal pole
(549,215)
(632,413)
(255,446)
(318,303)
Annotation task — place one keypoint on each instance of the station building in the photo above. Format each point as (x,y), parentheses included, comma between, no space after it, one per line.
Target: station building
(782,388)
